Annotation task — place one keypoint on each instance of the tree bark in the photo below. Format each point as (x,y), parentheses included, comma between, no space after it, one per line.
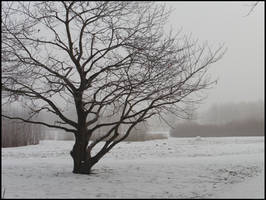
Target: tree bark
(81,157)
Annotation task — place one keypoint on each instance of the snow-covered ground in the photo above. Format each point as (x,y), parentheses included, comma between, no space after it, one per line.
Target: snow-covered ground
(221,167)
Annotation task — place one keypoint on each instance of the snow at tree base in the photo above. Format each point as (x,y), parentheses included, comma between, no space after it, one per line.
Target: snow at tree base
(196,167)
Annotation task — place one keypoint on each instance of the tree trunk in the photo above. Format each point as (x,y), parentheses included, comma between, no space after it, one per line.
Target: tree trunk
(81,157)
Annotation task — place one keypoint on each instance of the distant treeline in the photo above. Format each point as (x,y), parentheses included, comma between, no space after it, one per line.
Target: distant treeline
(246,127)
(15,133)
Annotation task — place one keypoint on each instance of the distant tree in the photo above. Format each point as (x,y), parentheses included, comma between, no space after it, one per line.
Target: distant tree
(99,56)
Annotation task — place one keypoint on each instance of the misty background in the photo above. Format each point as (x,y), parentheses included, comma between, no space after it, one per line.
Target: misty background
(241,71)
(235,105)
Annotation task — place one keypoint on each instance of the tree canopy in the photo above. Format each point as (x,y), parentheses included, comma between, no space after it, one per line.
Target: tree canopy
(108,60)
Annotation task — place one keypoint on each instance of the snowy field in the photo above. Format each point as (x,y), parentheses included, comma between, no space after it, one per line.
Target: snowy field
(221,167)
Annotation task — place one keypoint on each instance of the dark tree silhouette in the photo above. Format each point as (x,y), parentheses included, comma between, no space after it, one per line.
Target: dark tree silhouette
(103,58)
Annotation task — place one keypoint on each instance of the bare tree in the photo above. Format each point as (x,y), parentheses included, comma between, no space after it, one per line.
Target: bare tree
(105,59)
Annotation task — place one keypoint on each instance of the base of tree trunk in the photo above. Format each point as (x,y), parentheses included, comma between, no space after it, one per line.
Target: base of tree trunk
(81,172)
(84,169)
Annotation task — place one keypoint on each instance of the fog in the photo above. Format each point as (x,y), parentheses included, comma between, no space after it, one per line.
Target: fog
(240,73)
(223,120)
(239,92)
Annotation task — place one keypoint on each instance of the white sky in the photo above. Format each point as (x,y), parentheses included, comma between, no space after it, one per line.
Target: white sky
(241,70)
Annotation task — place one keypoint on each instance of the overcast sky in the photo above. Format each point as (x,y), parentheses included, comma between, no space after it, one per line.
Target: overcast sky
(241,70)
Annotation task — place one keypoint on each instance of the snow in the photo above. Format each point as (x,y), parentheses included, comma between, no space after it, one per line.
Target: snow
(253,188)
(213,167)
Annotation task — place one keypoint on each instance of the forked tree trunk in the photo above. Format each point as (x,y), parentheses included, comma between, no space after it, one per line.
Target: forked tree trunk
(82,161)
